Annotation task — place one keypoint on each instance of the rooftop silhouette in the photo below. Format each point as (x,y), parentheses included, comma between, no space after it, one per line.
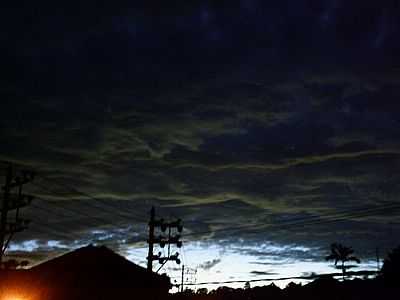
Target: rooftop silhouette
(88,273)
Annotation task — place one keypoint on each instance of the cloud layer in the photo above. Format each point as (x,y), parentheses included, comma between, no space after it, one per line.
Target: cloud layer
(223,115)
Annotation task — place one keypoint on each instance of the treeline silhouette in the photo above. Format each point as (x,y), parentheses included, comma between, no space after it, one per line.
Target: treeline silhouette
(386,285)
(322,288)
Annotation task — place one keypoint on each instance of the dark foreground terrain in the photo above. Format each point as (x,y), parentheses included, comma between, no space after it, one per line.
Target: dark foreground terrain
(323,288)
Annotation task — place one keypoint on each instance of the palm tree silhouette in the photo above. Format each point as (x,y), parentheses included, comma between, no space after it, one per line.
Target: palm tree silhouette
(343,254)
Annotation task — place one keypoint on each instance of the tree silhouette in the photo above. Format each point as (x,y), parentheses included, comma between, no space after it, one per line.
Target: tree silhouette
(340,253)
(391,266)
(23,263)
(13,264)
(10,264)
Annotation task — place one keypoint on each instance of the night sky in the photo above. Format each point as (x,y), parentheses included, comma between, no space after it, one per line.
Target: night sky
(249,115)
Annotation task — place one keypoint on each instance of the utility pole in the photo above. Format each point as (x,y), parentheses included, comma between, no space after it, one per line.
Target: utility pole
(4,210)
(182,281)
(377,260)
(151,240)
(13,202)
(191,275)
(188,276)
(163,241)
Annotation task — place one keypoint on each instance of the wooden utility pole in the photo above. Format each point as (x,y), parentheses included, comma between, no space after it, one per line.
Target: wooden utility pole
(162,241)
(4,210)
(377,260)
(151,240)
(183,280)
(13,202)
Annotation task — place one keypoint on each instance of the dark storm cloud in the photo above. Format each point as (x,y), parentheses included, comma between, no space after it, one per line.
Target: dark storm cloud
(262,273)
(209,264)
(221,167)
(203,160)
(266,263)
(239,113)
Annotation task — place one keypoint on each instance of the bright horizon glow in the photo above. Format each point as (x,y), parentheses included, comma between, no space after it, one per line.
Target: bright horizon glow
(227,263)
(224,262)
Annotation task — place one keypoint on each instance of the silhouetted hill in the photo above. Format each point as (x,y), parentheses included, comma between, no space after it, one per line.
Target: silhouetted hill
(91,273)
(98,262)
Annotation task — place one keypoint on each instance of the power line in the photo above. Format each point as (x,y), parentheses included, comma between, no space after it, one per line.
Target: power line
(357,273)
(103,221)
(312,220)
(66,236)
(57,230)
(63,218)
(316,220)
(73,237)
(63,236)
(140,217)
(66,228)
(80,212)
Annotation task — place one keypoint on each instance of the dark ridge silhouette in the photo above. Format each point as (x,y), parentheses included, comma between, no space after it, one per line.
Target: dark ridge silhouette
(88,273)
